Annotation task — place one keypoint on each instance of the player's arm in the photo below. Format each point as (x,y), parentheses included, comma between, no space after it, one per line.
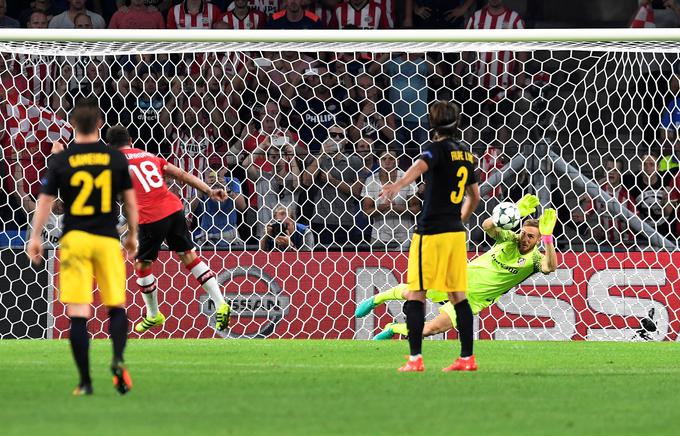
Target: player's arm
(42,211)
(472,199)
(189,179)
(491,229)
(390,190)
(546,224)
(549,261)
(132,217)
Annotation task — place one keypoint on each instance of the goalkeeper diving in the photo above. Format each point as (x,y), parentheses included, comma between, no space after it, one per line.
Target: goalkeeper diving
(513,258)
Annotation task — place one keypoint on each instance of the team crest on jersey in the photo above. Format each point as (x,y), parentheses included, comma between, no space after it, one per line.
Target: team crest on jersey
(521,261)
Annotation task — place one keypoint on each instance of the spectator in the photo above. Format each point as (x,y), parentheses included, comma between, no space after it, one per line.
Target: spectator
(277,185)
(195,141)
(267,7)
(668,134)
(282,233)
(82,21)
(373,115)
(489,164)
(392,220)
(436,14)
(137,16)
(649,190)
(193,14)
(408,96)
(364,149)
(160,5)
(217,221)
(336,176)
(66,20)
(494,74)
(44,6)
(38,20)
(145,111)
(322,8)
(613,230)
(319,111)
(5,21)
(361,14)
(242,17)
(294,17)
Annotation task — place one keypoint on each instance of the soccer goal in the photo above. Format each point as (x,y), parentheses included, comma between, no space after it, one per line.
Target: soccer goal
(303,128)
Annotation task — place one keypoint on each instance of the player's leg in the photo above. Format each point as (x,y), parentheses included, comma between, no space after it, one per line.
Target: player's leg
(151,237)
(179,240)
(75,292)
(109,271)
(208,281)
(445,321)
(455,282)
(415,304)
(397,293)
(79,339)
(465,326)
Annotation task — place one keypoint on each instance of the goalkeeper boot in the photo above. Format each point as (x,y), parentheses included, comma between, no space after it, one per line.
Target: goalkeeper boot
(222,316)
(82,389)
(462,364)
(149,322)
(122,381)
(365,307)
(413,365)
(387,333)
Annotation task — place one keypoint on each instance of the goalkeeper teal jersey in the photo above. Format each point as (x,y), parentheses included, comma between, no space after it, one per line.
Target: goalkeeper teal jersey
(496,272)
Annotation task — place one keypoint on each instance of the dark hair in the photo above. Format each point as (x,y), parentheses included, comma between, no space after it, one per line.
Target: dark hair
(444,117)
(86,115)
(531,222)
(118,136)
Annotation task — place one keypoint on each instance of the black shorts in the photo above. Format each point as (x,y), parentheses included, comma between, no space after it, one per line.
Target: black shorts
(172,229)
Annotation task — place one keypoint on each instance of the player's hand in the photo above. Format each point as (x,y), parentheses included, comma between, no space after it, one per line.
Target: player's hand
(130,245)
(547,222)
(527,205)
(34,249)
(57,147)
(422,11)
(218,194)
(388,192)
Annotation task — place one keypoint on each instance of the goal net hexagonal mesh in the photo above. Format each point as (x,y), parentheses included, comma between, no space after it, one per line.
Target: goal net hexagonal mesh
(304,133)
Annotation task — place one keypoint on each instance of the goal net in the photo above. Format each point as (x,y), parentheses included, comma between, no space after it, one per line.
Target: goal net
(304,131)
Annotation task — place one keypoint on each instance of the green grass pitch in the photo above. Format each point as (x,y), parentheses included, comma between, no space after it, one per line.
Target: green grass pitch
(274,387)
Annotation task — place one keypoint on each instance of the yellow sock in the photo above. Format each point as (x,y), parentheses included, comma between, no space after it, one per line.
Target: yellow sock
(390,294)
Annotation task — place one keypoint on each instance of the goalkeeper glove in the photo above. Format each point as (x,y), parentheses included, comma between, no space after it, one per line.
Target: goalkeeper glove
(547,222)
(527,205)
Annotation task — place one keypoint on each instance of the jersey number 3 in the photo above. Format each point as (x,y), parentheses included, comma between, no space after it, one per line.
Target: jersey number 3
(457,195)
(87,183)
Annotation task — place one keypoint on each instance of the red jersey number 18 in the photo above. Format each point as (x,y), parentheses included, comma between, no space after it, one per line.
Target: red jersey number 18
(147,174)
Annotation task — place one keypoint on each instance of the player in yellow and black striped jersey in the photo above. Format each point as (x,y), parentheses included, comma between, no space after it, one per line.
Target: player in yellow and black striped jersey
(437,257)
(90,177)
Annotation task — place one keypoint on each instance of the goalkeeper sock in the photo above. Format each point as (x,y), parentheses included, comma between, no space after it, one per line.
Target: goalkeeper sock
(400,329)
(147,285)
(394,293)
(80,346)
(465,327)
(118,328)
(415,321)
(207,279)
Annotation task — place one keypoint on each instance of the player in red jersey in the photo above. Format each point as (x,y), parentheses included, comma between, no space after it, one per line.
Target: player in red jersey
(161,218)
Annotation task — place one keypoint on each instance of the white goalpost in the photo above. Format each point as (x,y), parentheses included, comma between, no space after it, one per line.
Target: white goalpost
(304,126)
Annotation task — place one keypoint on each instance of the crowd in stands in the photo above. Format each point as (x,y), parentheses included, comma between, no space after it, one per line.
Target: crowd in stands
(303,142)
